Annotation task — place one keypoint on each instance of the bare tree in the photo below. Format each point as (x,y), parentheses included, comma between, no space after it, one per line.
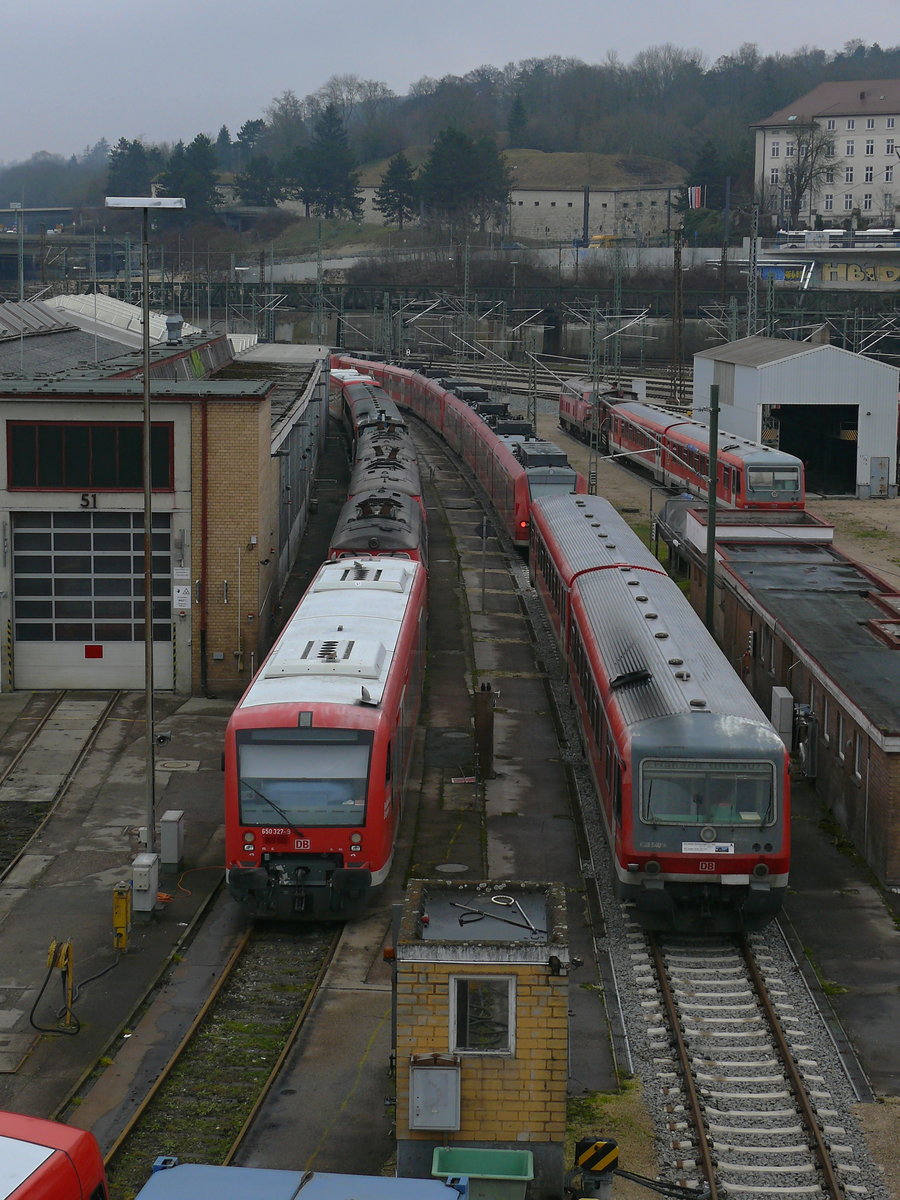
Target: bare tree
(809,162)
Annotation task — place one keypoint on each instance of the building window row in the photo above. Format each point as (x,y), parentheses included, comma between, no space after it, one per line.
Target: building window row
(66,456)
(831,123)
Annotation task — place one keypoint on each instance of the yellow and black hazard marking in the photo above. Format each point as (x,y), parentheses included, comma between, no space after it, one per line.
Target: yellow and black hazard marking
(596,1156)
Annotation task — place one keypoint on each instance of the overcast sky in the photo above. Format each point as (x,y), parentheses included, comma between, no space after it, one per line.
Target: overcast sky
(75,71)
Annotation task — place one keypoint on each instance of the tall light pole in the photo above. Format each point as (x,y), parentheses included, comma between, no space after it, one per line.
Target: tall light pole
(145,203)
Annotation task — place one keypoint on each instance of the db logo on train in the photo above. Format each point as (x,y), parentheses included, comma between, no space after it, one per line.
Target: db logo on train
(706,865)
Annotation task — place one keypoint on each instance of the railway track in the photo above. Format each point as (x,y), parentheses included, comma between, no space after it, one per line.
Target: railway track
(205,1100)
(50,741)
(515,380)
(752,1112)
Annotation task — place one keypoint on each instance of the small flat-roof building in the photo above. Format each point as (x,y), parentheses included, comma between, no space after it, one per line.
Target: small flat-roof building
(481,1023)
(835,410)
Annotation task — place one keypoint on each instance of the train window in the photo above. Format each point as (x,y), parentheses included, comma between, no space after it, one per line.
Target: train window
(684,792)
(773,479)
(482,1014)
(303,777)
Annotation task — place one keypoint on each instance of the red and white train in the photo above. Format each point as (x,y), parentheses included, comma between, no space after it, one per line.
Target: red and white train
(46,1160)
(508,481)
(674,449)
(692,779)
(317,751)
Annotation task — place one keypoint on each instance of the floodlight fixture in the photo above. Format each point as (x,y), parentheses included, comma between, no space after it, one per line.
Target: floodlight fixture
(145,202)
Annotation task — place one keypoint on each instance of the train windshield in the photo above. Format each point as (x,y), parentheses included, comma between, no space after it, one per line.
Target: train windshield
(303,777)
(707,793)
(774,481)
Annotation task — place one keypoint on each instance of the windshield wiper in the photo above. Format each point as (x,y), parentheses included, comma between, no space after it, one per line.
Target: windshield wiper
(271,803)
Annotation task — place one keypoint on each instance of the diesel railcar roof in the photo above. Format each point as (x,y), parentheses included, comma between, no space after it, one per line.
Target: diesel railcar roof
(378,519)
(647,634)
(342,636)
(583,526)
(402,476)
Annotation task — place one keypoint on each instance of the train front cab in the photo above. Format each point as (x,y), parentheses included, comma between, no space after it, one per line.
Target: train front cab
(704,845)
(776,485)
(304,832)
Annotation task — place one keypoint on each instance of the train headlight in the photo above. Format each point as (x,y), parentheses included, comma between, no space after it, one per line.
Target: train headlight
(652,867)
(760,870)
(249,836)
(355,839)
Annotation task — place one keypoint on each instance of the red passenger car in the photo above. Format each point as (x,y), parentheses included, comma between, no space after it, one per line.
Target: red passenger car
(493,461)
(318,749)
(674,449)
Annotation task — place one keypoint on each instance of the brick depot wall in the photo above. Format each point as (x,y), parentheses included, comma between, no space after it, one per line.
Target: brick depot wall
(514,1100)
(237,439)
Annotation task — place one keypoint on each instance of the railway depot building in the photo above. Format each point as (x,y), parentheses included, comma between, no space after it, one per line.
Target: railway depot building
(232,464)
(793,613)
(833,409)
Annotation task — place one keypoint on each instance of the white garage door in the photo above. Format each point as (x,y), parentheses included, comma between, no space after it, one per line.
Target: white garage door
(78,600)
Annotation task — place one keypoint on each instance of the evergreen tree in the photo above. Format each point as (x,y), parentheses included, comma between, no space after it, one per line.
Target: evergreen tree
(397,195)
(260,184)
(224,148)
(191,172)
(331,167)
(463,179)
(708,172)
(517,122)
(293,174)
(129,169)
(248,138)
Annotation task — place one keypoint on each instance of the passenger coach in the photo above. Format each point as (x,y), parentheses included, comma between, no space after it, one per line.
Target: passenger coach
(692,779)
(674,449)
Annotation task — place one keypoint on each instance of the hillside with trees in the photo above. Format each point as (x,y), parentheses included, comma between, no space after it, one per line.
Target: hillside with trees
(668,105)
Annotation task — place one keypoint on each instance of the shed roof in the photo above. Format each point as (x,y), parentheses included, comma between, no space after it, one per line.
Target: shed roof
(827,605)
(760,351)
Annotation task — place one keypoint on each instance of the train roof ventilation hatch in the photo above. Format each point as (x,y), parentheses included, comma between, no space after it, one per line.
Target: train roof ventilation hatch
(363,659)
